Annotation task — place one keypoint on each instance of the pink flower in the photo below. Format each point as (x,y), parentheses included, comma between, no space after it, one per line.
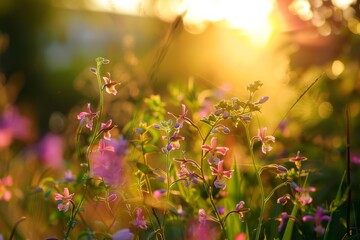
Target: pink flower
(220,173)
(140,220)
(186,174)
(5,182)
(103,147)
(202,217)
(107,166)
(214,151)
(303,193)
(13,126)
(297,160)
(174,141)
(51,150)
(265,140)
(110,85)
(182,117)
(64,200)
(318,218)
(69,176)
(87,117)
(240,209)
(106,128)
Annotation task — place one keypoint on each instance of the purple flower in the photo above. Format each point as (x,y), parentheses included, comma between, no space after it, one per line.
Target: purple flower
(87,117)
(110,85)
(123,234)
(265,140)
(214,151)
(174,141)
(68,176)
(283,217)
(219,172)
(187,175)
(64,200)
(240,209)
(107,166)
(318,218)
(104,147)
(284,199)
(140,220)
(355,159)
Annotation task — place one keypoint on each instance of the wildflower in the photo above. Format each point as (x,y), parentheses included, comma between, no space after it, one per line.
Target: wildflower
(282,219)
(182,117)
(103,147)
(87,117)
(108,166)
(284,199)
(202,217)
(64,200)
(214,151)
(51,150)
(265,140)
(123,234)
(297,160)
(4,192)
(240,209)
(13,126)
(68,176)
(220,173)
(106,128)
(159,193)
(262,100)
(110,85)
(318,218)
(187,175)
(140,220)
(355,160)
(304,195)
(174,141)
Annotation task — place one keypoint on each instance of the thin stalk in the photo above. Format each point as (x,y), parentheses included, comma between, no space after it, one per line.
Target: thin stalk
(348,175)
(262,208)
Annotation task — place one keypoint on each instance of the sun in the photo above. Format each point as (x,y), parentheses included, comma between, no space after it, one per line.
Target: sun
(249,17)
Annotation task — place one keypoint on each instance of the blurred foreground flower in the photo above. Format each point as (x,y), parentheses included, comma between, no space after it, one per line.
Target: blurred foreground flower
(5,182)
(13,126)
(123,234)
(64,200)
(51,149)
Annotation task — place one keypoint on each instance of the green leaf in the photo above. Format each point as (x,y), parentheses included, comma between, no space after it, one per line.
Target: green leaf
(144,168)
(150,148)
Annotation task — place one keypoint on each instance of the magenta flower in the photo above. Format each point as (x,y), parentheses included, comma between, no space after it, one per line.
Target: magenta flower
(265,140)
(106,128)
(140,220)
(318,218)
(283,217)
(214,151)
(64,200)
(297,159)
(5,182)
(108,166)
(110,85)
(103,147)
(284,199)
(187,175)
(182,117)
(174,141)
(69,176)
(220,173)
(87,117)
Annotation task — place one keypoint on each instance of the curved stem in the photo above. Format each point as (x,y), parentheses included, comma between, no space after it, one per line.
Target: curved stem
(258,229)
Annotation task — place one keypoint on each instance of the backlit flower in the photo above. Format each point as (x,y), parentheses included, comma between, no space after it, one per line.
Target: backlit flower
(214,151)
(265,140)
(64,200)
(186,174)
(304,195)
(318,218)
(297,159)
(110,85)
(108,166)
(180,119)
(140,220)
(240,209)
(106,128)
(5,182)
(219,172)
(87,117)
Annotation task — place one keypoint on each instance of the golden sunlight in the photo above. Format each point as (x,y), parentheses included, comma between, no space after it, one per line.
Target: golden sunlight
(252,18)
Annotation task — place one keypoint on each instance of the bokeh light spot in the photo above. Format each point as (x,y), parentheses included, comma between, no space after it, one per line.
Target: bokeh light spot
(325,110)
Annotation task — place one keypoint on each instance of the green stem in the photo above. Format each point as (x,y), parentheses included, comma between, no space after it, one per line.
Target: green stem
(258,230)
